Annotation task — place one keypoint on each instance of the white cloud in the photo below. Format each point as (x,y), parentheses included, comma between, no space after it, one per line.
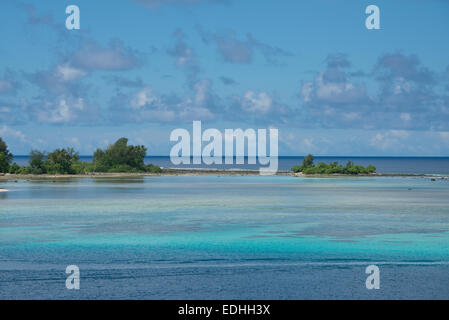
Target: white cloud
(306,91)
(332,92)
(402,86)
(9,132)
(201,92)
(69,73)
(92,56)
(144,97)
(257,103)
(392,139)
(152,106)
(62,112)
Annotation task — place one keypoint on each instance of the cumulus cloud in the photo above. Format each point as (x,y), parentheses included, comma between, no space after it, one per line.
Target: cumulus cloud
(144,97)
(184,54)
(389,139)
(69,73)
(8,132)
(407,98)
(12,112)
(259,107)
(399,66)
(332,99)
(146,105)
(339,92)
(333,85)
(114,57)
(257,102)
(241,51)
(64,97)
(62,110)
(405,83)
(59,80)
(412,90)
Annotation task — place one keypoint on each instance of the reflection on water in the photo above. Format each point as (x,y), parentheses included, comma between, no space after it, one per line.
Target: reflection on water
(121,180)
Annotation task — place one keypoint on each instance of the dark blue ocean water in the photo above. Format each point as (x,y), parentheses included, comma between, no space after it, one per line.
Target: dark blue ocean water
(416,165)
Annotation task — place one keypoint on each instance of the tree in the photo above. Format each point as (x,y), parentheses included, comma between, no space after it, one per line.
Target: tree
(36,161)
(5,157)
(4,163)
(307,161)
(14,168)
(307,167)
(61,160)
(120,157)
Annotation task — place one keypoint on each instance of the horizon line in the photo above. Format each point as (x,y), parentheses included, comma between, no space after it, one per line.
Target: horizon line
(299,156)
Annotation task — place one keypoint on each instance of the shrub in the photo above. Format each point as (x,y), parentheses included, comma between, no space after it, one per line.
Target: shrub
(5,157)
(24,170)
(81,167)
(4,163)
(14,168)
(61,161)
(121,157)
(307,167)
(36,161)
(122,168)
(153,169)
(307,162)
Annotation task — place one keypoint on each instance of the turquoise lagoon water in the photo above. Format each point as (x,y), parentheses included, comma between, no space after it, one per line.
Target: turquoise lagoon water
(212,237)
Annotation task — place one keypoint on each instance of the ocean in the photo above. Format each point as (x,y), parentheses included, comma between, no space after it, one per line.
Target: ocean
(403,165)
(225,237)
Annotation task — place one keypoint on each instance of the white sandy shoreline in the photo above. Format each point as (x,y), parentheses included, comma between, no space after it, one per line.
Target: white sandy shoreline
(4,190)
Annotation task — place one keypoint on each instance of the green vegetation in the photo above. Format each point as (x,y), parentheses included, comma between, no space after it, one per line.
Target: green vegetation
(307,167)
(121,157)
(14,168)
(118,157)
(37,164)
(5,157)
(61,161)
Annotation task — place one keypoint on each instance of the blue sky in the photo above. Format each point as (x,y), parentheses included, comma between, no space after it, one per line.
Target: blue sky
(141,68)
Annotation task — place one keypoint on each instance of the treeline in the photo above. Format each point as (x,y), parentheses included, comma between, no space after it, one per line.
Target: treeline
(307,167)
(117,157)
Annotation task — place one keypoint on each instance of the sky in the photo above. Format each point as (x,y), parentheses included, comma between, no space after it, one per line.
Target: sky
(142,68)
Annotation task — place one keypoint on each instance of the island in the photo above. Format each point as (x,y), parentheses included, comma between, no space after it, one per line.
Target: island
(116,158)
(122,160)
(308,168)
